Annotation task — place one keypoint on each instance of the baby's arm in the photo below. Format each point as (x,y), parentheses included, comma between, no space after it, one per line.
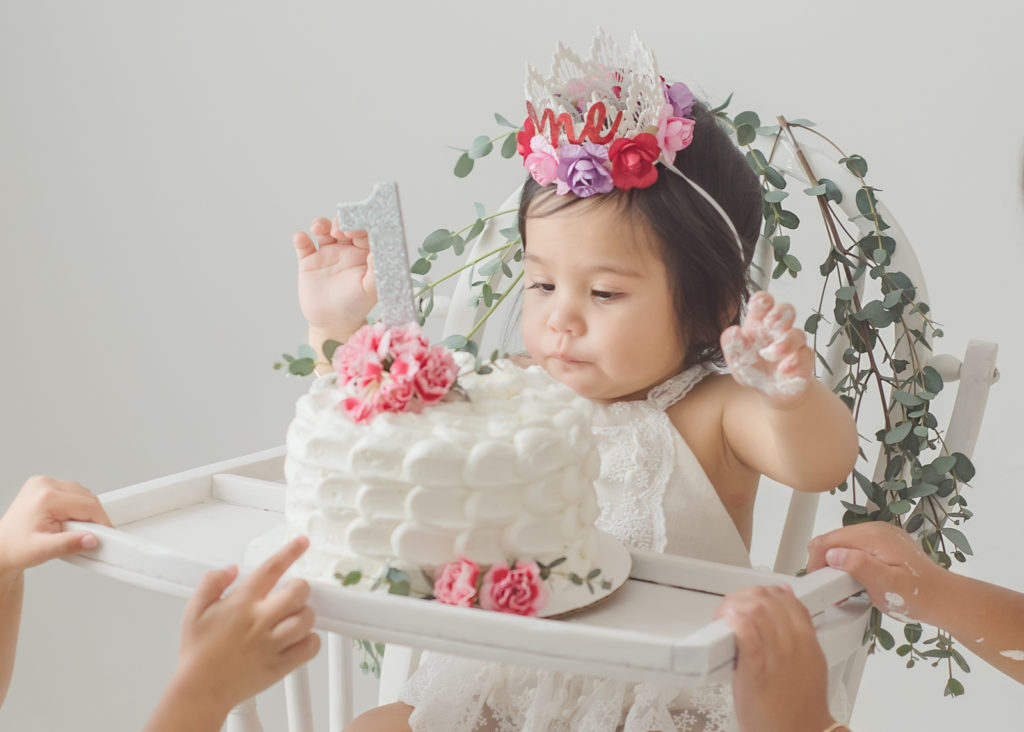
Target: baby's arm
(783,422)
(780,680)
(30,534)
(233,647)
(336,284)
(901,580)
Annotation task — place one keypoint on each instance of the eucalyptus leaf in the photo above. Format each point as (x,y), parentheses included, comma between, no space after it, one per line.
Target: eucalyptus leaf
(509,147)
(774,196)
(958,539)
(500,119)
(301,366)
(745,134)
(747,118)
(420,266)
(455,342)
(463,166)
(329,347)
(437,241)
(481,147)
(306,351)
(898,433)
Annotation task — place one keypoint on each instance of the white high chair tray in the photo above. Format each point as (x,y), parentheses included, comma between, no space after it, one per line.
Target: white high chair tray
(657,627)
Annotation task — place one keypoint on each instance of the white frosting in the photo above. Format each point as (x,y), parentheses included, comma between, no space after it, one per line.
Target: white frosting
(507,474)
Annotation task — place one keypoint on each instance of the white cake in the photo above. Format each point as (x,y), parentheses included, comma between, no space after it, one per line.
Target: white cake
(506,474)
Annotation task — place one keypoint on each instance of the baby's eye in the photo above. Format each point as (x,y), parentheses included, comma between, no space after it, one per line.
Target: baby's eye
(604,295)
(542,286)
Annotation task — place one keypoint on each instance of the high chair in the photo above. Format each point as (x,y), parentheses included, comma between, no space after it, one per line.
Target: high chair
(171,530)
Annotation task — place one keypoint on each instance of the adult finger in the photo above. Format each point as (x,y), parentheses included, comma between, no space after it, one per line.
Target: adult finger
(284,601)
(870,571)
(209,590)
(293,628)
(73,506)
(51,546)
(296,655)
(264,577)
(853,536)
(750,655)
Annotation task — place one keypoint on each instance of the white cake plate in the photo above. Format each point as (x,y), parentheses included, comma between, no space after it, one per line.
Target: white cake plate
(612,558)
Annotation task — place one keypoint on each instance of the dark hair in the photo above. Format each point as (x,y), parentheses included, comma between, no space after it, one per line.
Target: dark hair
(707,274)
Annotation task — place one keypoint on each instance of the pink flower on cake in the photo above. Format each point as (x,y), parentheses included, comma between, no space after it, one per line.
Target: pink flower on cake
(391,370)
(436,375)
(350,360)
(456,583)
(543,161)
(518,590)
(674,133)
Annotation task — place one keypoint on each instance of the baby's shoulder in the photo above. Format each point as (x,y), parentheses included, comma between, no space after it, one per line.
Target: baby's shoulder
(704,402)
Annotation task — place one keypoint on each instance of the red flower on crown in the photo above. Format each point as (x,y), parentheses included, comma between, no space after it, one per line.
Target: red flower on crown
(633,161)
(523,138)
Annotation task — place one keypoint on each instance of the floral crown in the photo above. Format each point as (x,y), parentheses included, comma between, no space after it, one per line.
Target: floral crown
(603,122)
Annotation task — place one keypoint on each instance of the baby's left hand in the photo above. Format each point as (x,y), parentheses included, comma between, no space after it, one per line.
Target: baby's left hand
(767,352)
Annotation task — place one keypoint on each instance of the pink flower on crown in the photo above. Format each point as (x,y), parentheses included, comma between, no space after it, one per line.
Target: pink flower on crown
(674,133)
(518,590)
(456,583)
(543,161)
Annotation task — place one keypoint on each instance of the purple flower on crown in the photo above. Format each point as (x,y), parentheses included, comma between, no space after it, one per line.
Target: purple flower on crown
(583,170)
(681,99)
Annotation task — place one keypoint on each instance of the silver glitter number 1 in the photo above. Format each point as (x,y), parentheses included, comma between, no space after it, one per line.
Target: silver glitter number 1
(381,216)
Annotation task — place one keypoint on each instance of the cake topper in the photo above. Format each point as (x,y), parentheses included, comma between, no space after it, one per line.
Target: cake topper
(381,216)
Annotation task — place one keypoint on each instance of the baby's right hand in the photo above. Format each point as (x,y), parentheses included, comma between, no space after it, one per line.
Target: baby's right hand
(236,646)
(336,284)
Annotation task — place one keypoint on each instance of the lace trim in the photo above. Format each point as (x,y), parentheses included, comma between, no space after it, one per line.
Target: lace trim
(637,458)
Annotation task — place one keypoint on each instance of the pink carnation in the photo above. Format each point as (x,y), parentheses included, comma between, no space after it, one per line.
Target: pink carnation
(350,359)
(543,161)
(436,375)
(456,583)
(392,370)
(520,591)
(674,133)
(389,395)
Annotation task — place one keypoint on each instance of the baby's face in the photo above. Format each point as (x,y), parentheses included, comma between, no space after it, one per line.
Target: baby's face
(597,310)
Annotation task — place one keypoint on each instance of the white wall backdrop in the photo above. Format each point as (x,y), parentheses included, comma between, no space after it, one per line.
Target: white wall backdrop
(156,157)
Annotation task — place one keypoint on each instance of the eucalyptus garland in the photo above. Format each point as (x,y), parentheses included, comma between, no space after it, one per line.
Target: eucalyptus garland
(919,487)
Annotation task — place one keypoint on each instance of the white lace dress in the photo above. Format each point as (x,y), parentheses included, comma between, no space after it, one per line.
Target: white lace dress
(654,495)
